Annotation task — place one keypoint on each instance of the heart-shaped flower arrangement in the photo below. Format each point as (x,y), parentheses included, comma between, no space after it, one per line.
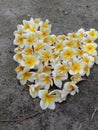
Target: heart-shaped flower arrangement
(46,60)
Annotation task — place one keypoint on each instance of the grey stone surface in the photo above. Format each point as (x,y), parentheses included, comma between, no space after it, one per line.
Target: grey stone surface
(15,102)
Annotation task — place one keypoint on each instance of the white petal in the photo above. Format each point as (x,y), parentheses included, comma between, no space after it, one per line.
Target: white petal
(58,83)
(42,93)
(43,105)
(72,92)
(51,106)
(23,82)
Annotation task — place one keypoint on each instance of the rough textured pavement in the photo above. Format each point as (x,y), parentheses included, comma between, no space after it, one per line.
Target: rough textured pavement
(15,102)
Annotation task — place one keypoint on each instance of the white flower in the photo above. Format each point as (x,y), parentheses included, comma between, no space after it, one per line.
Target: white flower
(93,34)
(76,67)
(81,33)
(71,88)
(45,80)
(89,60)
(47,100)
(34,90)
(68,53)
(29,40)
(90,48)
(30,61)
(18,57)
(19,40)
(25,76)
(58,78)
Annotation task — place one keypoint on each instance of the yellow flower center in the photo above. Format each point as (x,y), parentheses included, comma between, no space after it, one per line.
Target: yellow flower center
(59,46)
(26,76)
(68,54)
(30,61)
(76,67)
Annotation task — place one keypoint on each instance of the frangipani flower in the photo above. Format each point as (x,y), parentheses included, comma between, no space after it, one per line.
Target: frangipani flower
(19,40)
(28,51)
(88,60)
(19,68)
(93,34)
(76,67)
(58,47)
(58,78)
(26,24)
(18,57)
(29,61)
(61,38)
(71,88)
(30,40)
(19,30)
(68,53)
(87,70)
(77,78)
(47,100)
(25,76)
(46,55)
(45,80)
(90,48)
(34,90)
(69,43)
(81,33)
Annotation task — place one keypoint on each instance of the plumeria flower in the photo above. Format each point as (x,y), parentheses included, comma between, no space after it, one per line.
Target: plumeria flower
(87,40)
(62,68)
(81,33)
(69,43)
(93,34)
(45,33)
(77,43)
(25,76)
(29,61)
(26,25)
(45,80)
(72,36)
(76,67)
(18,57)
(38,46)
(87,69)
(47,100)
(77,78)
(19,40)
(45,25)
(19,31)
(58,78)
(59,47)
(37,21)
(68,53)
(19,68)
(61,95)
(89,60)
(34,90)
(80,53)
(46,69)
(28,51)
(90,48)
(71,88)
(30,40)
(18,50)
(61,38)
(46,56)
(52,39)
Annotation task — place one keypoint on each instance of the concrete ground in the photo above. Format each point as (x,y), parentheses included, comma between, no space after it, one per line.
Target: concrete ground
(15,102)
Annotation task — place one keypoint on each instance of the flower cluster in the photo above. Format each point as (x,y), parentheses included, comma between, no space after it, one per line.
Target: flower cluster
(46,60)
